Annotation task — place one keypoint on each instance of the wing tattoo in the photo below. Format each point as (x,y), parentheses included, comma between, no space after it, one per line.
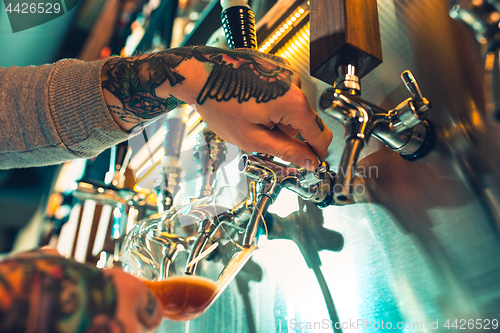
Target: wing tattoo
(243,76)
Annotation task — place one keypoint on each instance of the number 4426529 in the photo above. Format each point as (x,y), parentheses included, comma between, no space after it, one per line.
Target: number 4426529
(32,8)
(463,324)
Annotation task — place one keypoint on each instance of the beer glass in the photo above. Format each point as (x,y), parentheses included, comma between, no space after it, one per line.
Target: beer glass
(188,256)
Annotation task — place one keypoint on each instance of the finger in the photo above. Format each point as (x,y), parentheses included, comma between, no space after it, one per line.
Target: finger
(284,147)
(309,124)
(288,130)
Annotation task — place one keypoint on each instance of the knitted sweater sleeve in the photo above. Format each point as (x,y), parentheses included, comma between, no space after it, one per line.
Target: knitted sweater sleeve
(54,113)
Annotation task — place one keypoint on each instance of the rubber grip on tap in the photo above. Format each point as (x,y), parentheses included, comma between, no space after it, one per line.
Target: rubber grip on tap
(239,27)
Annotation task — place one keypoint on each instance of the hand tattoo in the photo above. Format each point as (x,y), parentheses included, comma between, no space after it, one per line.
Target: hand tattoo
(320,123)
(50,294)
(242,75)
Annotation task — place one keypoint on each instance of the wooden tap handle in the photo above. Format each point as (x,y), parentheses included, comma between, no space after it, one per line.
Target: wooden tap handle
(344,32)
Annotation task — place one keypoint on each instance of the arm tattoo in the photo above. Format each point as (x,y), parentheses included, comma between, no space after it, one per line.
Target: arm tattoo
(241,75)
(134,83)
(50,294)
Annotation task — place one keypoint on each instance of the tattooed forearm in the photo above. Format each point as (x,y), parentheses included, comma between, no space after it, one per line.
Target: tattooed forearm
(134,81)
(50,294)
(240,75)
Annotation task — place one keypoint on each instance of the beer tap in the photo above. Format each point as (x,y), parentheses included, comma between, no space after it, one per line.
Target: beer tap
(114,193)
(214,217)
(345,46)
(175,127)
(404,129)
(272,176)
(209,153)
(120,156)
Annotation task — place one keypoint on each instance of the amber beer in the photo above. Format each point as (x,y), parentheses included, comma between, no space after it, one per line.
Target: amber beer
(183,297)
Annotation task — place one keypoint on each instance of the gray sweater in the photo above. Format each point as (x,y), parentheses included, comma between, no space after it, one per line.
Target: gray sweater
(54,113)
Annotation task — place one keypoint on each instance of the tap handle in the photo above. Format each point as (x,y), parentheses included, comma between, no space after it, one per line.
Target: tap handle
(343,32)
(412,85)
(238,22)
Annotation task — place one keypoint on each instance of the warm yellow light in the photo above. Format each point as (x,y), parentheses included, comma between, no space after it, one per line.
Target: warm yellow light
(278,33)
(267,44)
(298,43)
(285,26)
(306,37)
(291,50)
(301,11)
(297,15)
(302,40)
(293,18)
(156,157)
(288,54)
(295,47)
(282,30)
(193,120)
(289,22)
(308,32)
(283,56)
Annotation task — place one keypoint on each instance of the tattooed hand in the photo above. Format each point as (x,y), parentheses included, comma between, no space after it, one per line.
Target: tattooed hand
(249,98)
(40,291)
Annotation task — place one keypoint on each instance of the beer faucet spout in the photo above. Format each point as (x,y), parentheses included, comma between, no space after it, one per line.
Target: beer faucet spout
(404,129)
(272,176)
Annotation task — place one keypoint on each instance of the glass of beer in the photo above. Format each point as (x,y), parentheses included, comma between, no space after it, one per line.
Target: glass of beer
(188,256)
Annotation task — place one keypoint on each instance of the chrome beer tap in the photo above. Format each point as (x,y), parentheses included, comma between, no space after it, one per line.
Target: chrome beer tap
(214,217)
(272,176)
(113,192)
(209,153)
(404,129)
(171,173)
